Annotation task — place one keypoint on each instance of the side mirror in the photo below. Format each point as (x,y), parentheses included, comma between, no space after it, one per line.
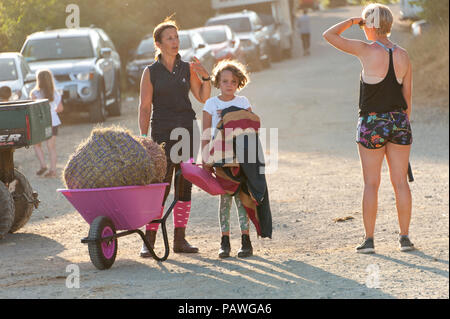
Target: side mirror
(105,53)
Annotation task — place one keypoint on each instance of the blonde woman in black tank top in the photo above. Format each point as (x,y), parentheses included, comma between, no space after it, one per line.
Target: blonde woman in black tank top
(164,97)
(384,108)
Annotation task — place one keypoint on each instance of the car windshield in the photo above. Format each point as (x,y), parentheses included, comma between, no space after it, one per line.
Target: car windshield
(9,70)
(214,36)
(237,24)
(146,48)
(58,49)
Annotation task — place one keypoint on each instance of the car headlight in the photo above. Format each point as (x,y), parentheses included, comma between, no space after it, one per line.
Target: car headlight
(84,76)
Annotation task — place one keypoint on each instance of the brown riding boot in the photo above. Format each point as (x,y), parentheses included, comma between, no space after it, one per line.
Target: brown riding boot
(180,245)
(150,235)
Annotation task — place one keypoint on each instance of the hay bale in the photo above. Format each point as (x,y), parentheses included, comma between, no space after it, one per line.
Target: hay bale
(157,155)
(110,157)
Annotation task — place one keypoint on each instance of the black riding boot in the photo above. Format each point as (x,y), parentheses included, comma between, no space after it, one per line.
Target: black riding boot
(225,248)
(246,248)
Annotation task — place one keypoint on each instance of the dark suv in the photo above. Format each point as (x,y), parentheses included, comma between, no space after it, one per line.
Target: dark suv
(85,65)
(253,34)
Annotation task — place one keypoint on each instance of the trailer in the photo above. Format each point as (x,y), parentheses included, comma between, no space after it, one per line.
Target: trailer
(22,124)
(282,11)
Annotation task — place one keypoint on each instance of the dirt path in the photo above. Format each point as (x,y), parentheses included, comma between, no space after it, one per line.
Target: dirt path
(312,101)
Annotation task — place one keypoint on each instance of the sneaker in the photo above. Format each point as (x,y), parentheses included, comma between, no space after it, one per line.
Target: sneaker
(367,247)
(405,243)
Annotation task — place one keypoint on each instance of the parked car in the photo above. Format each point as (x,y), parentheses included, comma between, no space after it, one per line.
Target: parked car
(274,29)
(224,42)
(85,65)
(419,27)
(253,35)
(16,74)
(191,44)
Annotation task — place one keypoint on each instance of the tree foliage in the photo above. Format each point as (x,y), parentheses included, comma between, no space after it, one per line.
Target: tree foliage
(126,22)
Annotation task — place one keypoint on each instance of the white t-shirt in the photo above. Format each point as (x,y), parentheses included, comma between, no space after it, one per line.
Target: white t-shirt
(214,105)
(53,105)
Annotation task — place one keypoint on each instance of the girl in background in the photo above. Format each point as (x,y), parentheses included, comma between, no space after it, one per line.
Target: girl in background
(45,89)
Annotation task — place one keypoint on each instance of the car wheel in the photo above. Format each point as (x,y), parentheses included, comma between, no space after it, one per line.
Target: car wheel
(115,109)
(97,109)
(22,196)
(256,64)
(6,210)
(277,53)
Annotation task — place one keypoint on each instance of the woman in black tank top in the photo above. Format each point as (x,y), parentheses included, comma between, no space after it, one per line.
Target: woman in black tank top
(164,97)
(384,110)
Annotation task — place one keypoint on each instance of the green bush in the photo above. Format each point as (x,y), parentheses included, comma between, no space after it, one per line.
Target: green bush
(434,11)
(126,22)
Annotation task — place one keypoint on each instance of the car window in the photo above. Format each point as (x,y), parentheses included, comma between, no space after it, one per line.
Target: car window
(9,70)
(106,39)
(213,36)
(257,22)
(185,41)
(146,48)
(24,67)
(236,24)
(197,39)
(58,49)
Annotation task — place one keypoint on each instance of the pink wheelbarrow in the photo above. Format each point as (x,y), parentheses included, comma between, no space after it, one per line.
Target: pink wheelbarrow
(129,208)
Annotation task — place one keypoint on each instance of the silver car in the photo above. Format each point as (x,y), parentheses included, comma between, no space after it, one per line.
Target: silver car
(85,65)
(16,74)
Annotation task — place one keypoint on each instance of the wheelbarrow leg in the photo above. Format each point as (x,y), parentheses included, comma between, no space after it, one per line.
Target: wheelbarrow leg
(162,221)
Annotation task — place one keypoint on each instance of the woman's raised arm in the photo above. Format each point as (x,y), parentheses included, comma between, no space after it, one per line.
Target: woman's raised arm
(333,36)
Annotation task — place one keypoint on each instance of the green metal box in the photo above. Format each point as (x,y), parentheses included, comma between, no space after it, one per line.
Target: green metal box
(24,123)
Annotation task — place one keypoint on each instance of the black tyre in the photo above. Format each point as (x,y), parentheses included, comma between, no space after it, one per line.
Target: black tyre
(22,195)
(103,254)
(115,109)
(6,210)
(97,109)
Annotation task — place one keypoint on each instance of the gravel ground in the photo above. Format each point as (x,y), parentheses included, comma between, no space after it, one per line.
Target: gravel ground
(313,103)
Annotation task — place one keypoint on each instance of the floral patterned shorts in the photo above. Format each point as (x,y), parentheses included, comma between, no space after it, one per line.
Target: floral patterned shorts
(376,129)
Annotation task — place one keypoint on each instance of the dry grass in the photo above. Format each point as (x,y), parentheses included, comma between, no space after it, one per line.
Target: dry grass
(429,54)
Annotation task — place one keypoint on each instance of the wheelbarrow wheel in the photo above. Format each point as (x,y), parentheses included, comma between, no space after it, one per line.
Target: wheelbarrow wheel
(103,254)
(6,210)
(23,206)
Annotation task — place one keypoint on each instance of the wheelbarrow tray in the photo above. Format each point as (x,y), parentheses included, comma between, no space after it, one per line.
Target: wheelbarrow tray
(128,207)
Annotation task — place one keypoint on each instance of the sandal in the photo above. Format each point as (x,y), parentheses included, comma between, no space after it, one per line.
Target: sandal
(41,171)
(50,174)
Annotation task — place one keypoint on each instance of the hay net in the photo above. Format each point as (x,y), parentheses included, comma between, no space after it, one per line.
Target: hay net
(111,157)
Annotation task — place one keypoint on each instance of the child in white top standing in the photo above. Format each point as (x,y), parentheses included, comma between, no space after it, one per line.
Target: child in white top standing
(45,89)
(229,76)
